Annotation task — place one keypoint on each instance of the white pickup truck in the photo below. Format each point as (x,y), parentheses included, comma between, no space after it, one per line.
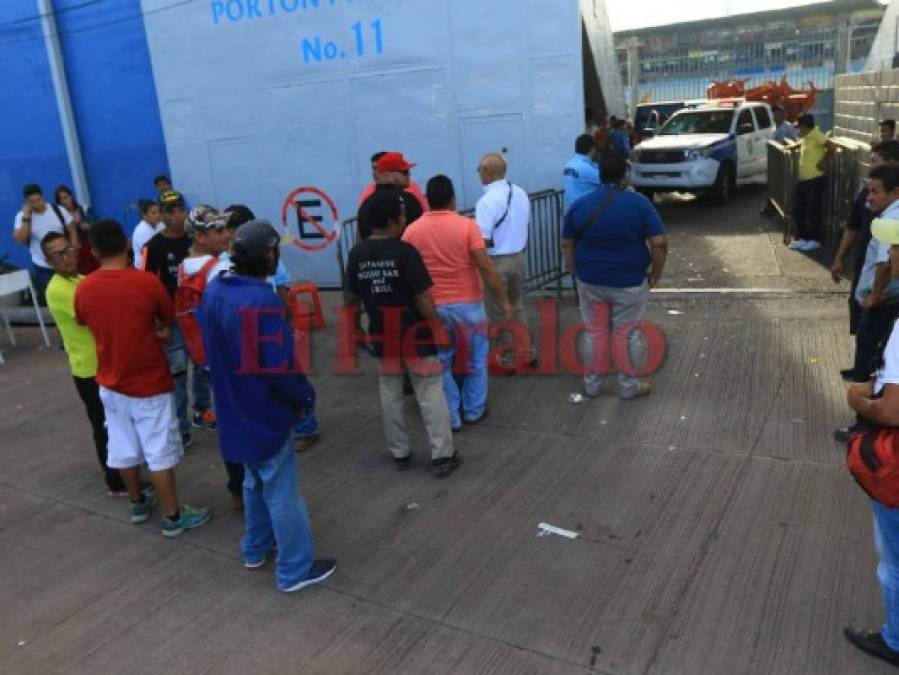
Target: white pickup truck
(705,150)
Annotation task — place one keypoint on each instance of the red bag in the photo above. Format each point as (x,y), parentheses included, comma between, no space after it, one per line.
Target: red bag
(873,460)
(187,299)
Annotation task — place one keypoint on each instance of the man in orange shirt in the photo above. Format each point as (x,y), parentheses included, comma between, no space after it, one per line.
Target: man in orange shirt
(452,248)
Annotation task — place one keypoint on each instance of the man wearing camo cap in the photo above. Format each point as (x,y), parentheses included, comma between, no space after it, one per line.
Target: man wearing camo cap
(210,237)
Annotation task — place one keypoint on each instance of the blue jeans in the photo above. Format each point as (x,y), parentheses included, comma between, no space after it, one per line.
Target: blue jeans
(886,542)
(274,511)
(307,427)
(179,362)
(466,324)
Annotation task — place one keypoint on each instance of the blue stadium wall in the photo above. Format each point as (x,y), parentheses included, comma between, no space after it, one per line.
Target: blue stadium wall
(114,103)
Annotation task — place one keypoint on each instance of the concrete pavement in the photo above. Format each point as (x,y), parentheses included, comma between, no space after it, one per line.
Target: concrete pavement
(719,530)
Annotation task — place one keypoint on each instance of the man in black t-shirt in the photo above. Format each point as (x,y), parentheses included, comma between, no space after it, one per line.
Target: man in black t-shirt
(389,279)
(161,256)
(165,250)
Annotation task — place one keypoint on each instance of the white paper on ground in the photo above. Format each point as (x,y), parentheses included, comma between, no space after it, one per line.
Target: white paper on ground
(544,529)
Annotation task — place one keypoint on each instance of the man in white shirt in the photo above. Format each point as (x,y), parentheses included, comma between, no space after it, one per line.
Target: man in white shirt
(35,221)
(503,214)
(150,224)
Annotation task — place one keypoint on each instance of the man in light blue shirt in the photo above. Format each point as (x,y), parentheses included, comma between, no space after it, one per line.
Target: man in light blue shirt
(581,175)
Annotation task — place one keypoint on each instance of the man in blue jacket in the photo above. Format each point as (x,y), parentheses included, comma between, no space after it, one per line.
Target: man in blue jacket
(260,397)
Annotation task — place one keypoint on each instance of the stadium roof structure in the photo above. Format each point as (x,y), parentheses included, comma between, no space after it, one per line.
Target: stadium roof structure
(768,16)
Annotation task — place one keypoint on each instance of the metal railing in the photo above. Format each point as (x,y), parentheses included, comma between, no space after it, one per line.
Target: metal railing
(545,264)
(845,173)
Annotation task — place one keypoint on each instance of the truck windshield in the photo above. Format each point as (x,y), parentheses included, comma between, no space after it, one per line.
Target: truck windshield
(698,122)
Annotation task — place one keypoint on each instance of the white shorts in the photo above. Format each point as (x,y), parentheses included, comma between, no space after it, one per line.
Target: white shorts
(142,430)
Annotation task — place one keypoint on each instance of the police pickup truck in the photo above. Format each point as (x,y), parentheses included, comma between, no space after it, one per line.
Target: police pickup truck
(705,150)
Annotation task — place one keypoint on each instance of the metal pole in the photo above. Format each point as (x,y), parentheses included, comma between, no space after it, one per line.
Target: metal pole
(63,100)
(633,75)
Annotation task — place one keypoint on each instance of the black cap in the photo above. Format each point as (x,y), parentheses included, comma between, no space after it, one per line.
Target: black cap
(254,240)
(170,199)
(238,214)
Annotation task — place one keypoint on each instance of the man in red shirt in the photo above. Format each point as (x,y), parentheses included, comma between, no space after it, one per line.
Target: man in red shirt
(129,312)
(452,248)
(381,177)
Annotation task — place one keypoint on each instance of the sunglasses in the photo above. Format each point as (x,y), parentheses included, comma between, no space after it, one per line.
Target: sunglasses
(63,253)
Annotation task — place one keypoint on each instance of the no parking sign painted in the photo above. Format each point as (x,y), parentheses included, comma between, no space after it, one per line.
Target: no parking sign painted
(317,221)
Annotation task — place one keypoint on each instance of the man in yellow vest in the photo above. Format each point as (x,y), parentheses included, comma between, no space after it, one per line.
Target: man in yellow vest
(815,149)
(79,345)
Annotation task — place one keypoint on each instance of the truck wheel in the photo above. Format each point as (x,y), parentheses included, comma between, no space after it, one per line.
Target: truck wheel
(725,183)
(649,193)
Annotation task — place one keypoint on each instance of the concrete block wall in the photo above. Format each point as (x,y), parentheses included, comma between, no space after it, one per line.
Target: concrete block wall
(862,100)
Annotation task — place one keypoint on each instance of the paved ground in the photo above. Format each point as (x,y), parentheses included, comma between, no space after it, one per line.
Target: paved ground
(720,532)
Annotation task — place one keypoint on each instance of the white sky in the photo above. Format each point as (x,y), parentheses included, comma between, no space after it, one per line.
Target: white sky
(627,14)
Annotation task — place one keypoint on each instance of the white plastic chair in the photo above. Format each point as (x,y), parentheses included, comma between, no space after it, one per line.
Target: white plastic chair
(15,282)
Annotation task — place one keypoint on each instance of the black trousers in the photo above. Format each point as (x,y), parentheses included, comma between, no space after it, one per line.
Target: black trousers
(808,209)
(874,328)
(235,478)
(89,393)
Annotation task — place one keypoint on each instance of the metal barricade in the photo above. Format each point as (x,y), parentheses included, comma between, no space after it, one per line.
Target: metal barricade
(544,252)
(845,177)
(782,178)
(845,174)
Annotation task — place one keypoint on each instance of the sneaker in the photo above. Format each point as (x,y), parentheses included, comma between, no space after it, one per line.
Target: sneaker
(321,570)
(644,389)
(140,512)
(251,565)
(872,643)
(477,420)
(146,488)
(446,465)
(255,565)
(811,245)
(402,463)
(190,518)
(798,244)
(204,420)
(844,434)
(306,442)
(186,440)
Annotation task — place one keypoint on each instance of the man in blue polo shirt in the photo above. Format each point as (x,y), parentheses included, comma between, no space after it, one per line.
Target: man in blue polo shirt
(581,175)
(615,244)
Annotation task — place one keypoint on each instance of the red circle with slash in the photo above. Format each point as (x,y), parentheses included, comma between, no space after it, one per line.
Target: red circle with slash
(327,236)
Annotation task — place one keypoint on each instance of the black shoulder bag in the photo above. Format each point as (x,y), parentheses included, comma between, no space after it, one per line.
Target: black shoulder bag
(489,242)
(596,215)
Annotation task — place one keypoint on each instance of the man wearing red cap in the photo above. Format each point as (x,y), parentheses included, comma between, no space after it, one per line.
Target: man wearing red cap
(414,189)
(392,173)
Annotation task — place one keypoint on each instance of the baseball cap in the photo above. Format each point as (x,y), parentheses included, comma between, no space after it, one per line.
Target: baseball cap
(205,217)
(393,161)
(886,230)
(238,214)
(255,239)
(171,198)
